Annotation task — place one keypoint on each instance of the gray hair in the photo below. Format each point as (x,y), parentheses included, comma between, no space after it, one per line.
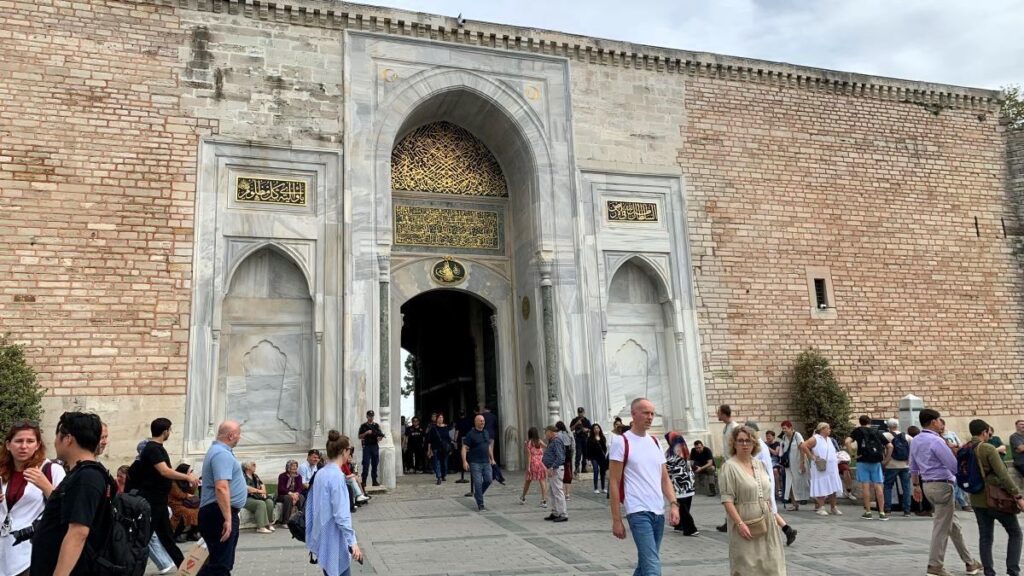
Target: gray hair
(249,464)
(893,424)
(289,463)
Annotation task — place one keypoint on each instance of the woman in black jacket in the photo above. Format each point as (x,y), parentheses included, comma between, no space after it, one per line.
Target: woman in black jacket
(597,453)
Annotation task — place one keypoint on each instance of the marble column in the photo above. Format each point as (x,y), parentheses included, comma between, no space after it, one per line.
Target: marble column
(388,461)
(550,353)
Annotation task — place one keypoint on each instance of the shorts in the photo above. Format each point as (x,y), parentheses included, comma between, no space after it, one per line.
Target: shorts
(869,472)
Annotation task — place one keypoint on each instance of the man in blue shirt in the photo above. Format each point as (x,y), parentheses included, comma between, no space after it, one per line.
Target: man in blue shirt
(477,458)
(223,495)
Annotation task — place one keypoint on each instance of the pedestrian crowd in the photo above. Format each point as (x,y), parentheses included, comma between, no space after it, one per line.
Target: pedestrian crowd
(69,515)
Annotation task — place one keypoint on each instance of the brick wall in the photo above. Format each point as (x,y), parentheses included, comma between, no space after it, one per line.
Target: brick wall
(97,171)
(102,105)
(885,194)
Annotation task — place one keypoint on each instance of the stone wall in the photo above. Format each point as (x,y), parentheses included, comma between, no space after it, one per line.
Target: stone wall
(103,104)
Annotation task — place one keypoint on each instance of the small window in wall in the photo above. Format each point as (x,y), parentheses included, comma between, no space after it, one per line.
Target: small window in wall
(819,291)
(820,295)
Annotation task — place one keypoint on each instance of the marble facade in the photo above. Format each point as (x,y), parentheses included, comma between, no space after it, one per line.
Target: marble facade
(297,303)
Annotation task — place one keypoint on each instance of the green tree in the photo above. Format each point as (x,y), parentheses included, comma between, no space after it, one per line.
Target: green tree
(819,397)
(409,380)
(20,396)
(1013,106)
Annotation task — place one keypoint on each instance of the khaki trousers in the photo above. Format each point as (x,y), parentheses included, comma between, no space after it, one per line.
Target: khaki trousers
(945,525)
(557,491)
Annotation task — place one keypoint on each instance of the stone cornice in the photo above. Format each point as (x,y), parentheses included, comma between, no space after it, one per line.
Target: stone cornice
(342,15)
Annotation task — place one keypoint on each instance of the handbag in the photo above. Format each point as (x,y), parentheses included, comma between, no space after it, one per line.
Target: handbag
(757,526)
(996,498)
(821,464)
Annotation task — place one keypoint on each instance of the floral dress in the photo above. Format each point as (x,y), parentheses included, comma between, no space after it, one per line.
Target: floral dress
(536,470)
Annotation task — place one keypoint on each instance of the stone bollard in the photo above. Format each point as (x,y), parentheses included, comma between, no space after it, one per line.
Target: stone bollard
(910,407)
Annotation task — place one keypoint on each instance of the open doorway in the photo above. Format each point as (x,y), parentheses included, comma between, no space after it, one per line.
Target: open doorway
(449,359)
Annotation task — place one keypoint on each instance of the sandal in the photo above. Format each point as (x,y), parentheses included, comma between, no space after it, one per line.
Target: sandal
(792,508)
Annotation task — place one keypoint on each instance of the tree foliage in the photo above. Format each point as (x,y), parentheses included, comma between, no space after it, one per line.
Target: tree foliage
(1013,106)
(20,396)
(819,397)
(409,380)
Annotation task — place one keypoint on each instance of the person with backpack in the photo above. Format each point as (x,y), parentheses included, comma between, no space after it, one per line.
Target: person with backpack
(640,484)
(933,473)
(73,520)
(871,448)
(329,533)
(993,473)
(27,479)
(896,465)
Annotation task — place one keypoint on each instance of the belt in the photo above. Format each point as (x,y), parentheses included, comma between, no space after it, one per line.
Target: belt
(950,482)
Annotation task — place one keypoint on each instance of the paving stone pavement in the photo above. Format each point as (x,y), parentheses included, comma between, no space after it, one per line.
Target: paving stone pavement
(431,530)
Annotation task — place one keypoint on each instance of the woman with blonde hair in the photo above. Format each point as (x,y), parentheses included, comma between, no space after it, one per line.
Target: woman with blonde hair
(755,545)
(27,479)
(825,479)
(329,532)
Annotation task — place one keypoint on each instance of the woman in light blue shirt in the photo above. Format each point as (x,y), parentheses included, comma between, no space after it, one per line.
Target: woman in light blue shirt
(329,533)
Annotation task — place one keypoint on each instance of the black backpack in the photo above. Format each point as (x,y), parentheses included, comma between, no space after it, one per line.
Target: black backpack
(297,523)
(127,517)
(869,448)
(900,447)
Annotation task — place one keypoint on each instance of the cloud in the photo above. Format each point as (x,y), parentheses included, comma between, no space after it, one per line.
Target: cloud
(952,42)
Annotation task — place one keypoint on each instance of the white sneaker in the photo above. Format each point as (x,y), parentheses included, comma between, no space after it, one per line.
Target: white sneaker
(522,500)
(821,512)
(597,491)
(544,504)
(851,496)
(605,491)
(362,499)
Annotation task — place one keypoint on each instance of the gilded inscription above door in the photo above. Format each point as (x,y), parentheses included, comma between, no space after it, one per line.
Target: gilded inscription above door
(446,227)
(270,190)
(620,211)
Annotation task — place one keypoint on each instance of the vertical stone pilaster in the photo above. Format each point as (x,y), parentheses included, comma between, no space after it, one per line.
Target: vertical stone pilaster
(384,376)
(550,354)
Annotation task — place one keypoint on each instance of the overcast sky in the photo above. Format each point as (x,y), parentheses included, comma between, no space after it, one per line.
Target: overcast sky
(971,43)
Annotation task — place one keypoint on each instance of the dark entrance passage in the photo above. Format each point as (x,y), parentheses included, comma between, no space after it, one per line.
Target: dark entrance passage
(450,339)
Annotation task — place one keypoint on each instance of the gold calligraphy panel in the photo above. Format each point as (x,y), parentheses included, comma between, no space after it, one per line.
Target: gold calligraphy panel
(270,190)
(619,211)
(444,158)
(446,227)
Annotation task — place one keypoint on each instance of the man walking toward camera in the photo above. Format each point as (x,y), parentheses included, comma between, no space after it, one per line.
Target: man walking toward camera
(640,484)
(933,473)
(477,459)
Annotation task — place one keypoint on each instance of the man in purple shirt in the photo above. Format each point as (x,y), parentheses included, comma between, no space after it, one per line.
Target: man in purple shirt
(933,472)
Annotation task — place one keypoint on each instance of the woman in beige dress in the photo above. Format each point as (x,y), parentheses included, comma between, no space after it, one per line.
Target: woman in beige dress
(755,545)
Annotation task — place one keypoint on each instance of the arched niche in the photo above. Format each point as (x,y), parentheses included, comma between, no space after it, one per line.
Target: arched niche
(638,343)
(266,371)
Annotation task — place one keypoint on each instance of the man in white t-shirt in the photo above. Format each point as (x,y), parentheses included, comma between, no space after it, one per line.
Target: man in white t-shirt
(640,483)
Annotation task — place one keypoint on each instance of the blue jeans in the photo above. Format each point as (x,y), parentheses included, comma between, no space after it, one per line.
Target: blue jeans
(890,480)
(986,534)
(480,472)
(597,466)
(440,464)
(222,554)
(158,555)
(647,529)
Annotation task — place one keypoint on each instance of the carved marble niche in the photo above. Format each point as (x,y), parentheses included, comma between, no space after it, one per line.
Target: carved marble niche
(267,350)
(635,345)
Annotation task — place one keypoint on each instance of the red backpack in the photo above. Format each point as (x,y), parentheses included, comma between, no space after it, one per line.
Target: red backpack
(625,458)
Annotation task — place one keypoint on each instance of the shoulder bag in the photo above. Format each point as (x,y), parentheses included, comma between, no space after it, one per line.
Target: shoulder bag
(997,498)
(758,526)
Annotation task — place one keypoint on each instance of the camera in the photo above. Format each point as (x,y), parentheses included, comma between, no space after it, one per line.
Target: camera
(23,534)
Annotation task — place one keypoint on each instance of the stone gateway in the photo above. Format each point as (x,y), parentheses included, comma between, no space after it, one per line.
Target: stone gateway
(222,209)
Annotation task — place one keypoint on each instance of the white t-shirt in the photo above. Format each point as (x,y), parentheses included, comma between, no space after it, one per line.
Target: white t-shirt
(765,456)
(643,472)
